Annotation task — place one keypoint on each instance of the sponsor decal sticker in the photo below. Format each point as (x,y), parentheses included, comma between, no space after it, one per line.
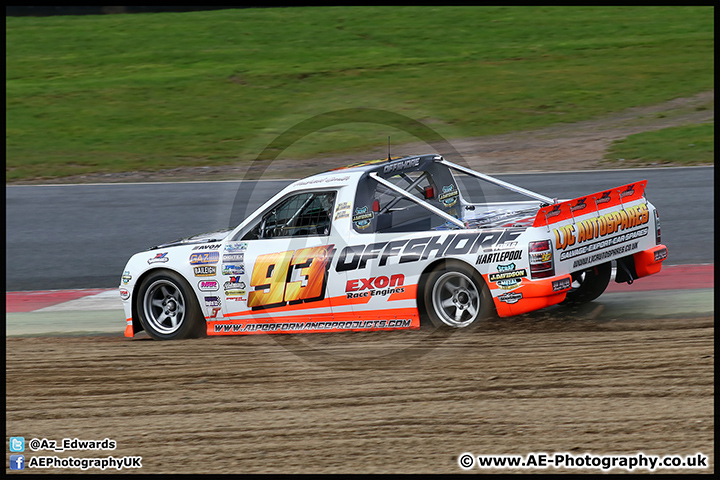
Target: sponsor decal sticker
(124,293)
(330,179)
(236,247)
(449,195)
(603,226)
(401,165)
(126,277)
(622,249)
(363,216)
(234,282)
(556,210)
(603,244)
(235,292)
(342,210)
(562,284)
(510,297)
(208,285)
(204,258)
(207,247)
(233,269)
(159,258)
(579,205)
(503,246)
(628,191)
(493,257)
(355,257)
(235,286)
(375,286)
(213,301)
(604,198)
(312,326)
(538,257)
(509,284)
(204,271)
(507,272)
(233,257)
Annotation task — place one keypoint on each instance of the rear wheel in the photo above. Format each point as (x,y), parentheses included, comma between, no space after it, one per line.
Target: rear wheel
(455,296)
(589,284)
(168,308)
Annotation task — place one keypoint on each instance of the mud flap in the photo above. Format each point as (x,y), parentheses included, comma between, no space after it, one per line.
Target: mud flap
(626,270)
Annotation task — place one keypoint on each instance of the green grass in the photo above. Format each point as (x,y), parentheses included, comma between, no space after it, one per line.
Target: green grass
(686,145)
(149,91)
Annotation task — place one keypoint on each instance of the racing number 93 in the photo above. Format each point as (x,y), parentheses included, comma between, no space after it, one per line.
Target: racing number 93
(293,276)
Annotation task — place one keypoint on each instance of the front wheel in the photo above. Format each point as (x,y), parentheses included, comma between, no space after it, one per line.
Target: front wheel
(589,284)
(455,296)
(167,307)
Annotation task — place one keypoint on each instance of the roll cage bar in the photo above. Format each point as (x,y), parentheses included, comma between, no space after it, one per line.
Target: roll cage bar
(453,166)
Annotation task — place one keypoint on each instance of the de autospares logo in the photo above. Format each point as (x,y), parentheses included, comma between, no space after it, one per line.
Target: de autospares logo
(386,347)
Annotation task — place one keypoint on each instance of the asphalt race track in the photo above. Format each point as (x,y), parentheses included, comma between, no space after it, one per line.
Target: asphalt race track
(80,236)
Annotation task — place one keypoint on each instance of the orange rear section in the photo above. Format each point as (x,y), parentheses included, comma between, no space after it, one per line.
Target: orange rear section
(650,261)
(533,295)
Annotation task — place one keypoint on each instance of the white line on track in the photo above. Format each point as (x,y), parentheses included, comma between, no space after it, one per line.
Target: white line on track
(108,300)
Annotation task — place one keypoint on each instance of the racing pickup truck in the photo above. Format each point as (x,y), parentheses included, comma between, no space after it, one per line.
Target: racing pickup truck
(388,244)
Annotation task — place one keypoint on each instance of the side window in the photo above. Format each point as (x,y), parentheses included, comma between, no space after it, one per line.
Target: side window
(388,211)
(301,215)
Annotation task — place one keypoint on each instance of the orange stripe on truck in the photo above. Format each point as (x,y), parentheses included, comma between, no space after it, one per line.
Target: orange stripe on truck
(371,320)
(410,293)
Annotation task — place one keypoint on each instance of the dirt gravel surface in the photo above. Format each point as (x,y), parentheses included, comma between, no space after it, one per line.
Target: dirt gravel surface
(385,402)
(564,146)
(375,402)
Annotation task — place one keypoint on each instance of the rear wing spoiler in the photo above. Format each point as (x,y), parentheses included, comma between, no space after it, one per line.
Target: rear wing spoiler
(569,209)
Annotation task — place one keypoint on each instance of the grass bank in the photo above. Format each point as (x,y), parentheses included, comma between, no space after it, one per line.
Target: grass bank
(117,93)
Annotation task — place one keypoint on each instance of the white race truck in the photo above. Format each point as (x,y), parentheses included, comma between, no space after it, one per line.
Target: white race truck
(385,244)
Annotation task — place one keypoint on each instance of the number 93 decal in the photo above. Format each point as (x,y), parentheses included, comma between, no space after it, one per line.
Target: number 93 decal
(290,277)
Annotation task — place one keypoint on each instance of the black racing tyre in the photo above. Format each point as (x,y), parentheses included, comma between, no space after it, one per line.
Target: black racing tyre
(168,308)
(455,296)
(589,284)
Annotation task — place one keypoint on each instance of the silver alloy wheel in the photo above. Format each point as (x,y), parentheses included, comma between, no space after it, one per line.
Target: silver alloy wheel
(577,280)
(164,306)
(456,299)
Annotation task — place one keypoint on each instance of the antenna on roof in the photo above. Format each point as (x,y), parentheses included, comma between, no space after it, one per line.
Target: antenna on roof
(388,147)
